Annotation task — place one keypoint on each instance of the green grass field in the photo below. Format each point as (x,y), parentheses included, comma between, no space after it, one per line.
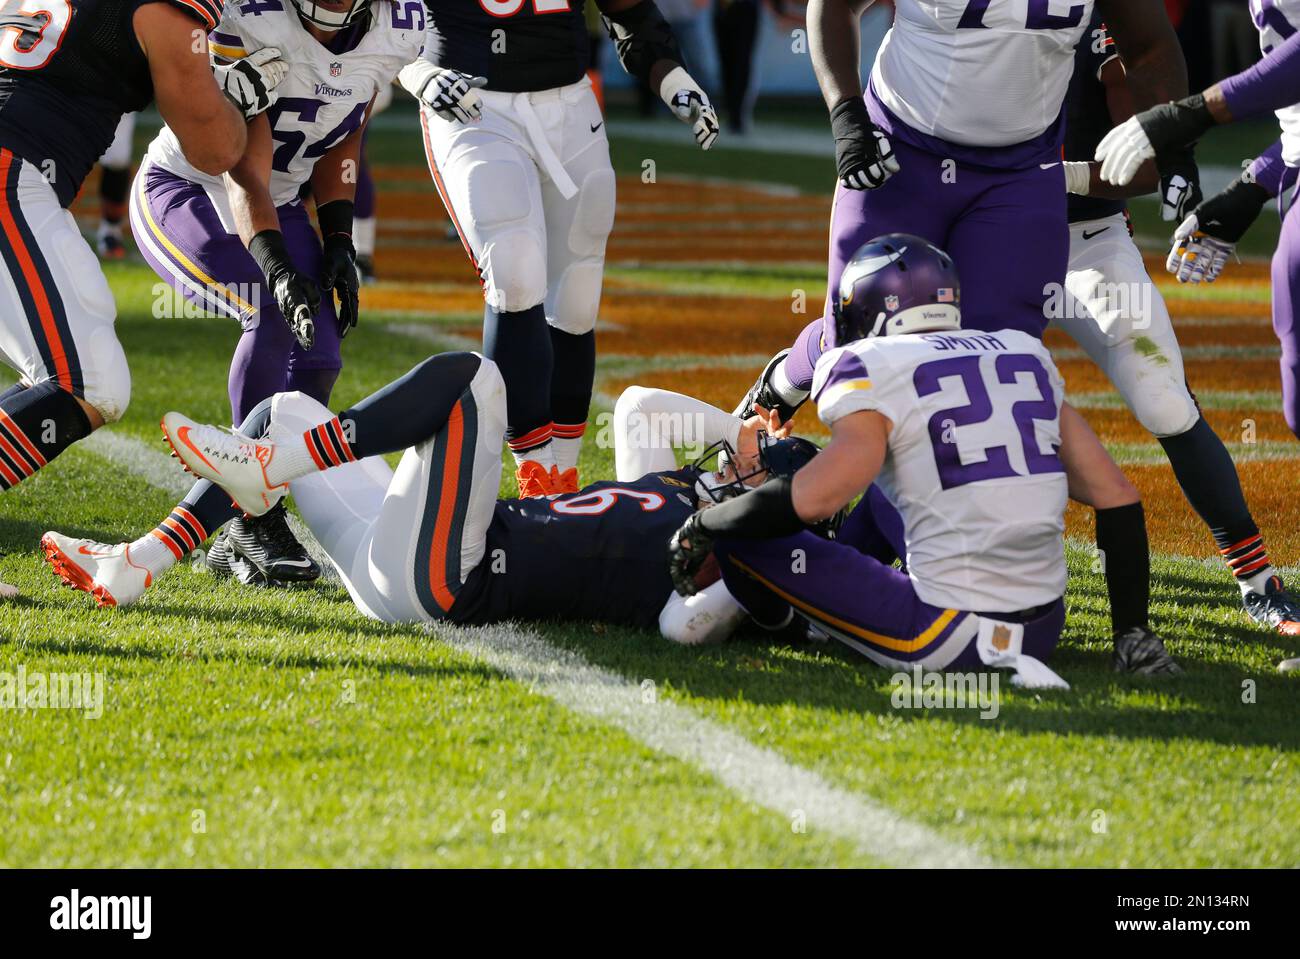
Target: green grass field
(275,728)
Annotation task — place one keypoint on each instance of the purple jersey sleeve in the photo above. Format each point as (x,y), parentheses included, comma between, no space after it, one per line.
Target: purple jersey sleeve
(1267,169)
(1271,84)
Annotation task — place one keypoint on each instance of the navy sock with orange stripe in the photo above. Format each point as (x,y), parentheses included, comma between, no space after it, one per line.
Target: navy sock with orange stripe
(403,414)
(571,385)
(36,425)
(204,509)
(1206,473)
(520,345)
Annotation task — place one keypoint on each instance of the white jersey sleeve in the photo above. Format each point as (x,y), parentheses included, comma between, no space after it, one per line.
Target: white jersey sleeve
(972,463)
(323,98)
(1276,21)
(982,73)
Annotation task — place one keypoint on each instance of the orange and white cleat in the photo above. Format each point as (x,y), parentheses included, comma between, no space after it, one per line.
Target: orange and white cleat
(233,461)
(533,480)
(105,572)
(566,482)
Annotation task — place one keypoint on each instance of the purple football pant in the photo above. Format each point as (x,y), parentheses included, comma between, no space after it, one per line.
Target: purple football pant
(1006,231)
(181,236)
(848,588)
(1286,297)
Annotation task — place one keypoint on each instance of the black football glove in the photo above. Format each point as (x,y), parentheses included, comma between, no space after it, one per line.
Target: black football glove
(295,294)
(864,159)
(1206,239)
(1159,132)
(339,273)
(1180,184)
(687,550)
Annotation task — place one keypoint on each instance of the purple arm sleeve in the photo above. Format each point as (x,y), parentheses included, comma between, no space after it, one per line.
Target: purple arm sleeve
(1271,84)
(801,362)
(1267,169)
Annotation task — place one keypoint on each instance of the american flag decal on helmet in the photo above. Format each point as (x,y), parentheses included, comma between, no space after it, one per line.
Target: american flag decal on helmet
(945,294)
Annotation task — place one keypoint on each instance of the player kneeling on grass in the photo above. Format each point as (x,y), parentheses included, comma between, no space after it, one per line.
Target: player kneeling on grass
(431,541)
(243,245)
(968,444)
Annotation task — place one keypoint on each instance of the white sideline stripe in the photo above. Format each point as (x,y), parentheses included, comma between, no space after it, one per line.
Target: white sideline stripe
(159,470)
(758,775)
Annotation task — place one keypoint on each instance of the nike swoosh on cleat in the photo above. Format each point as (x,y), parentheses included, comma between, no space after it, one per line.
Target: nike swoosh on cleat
(85,552)
(183,434)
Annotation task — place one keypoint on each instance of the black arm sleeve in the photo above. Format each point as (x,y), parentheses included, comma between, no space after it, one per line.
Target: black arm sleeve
(642,37)
(763,513)
(269,250)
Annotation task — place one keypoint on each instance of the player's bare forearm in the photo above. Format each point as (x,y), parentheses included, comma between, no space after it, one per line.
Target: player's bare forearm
(335,174)
(210,130)
(248,184)
(1094,479)
(1119,104)
(835,44)
(844,469)
(1157,72)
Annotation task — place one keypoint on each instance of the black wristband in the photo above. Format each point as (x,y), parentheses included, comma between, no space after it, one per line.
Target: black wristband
(1172,126)
(763,513)
(849,115)
(642,37)
(271,254)
(335,217)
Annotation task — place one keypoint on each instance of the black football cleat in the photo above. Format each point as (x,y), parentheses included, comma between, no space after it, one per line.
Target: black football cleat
(1274,608)
(762,394)
(222,561)
(1142,652)
(268,545)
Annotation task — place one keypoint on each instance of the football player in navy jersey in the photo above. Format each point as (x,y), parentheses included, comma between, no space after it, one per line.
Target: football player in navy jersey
(68,73)
(516,145)
(431,541)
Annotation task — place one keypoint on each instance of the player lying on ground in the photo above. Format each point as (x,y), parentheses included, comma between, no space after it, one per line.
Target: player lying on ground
(243,246)
(522,166)
(1110,307)
(432,541)
(964,435)
(70,73)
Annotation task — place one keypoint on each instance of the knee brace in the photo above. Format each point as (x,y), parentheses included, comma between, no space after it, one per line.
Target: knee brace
(574,301)
(508,234)
(106,374)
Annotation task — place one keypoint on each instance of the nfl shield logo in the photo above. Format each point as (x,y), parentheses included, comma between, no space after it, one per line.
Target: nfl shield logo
(891,303)
(945,294)
(336,68)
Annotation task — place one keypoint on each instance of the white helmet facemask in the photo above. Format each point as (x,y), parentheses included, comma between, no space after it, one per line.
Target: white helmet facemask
(332,20)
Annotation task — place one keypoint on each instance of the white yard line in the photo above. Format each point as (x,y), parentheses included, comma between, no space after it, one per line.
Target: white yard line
(758,775)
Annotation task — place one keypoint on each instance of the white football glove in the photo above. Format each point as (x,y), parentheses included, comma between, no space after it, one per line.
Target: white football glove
(1196,256)
(451,94)
(248,82)
(691,105)
(1122,151)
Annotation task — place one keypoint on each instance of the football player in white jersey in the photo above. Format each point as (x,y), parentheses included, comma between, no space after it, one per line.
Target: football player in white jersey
(966,437)
(517,148)
(957,139)
(242,245)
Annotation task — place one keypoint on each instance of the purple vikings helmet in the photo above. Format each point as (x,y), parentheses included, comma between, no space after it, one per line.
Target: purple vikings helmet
(334,15)
(896,283)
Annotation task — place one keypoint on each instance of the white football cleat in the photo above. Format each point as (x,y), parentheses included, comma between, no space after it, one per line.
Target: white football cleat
(233,461)
(105,572)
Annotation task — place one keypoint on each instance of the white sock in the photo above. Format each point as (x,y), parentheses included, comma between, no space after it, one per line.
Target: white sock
(1256,582)
(319,448)
(153,554)
(566,452)
(363,235)
(543,455)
